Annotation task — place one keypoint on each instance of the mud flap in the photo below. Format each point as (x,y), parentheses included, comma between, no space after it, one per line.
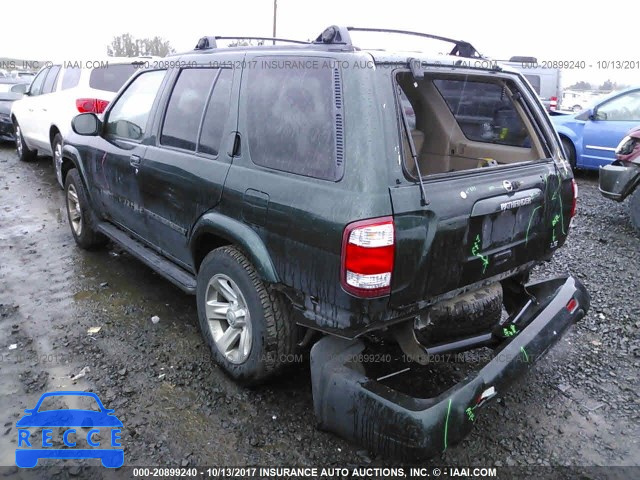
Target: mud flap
(395,425)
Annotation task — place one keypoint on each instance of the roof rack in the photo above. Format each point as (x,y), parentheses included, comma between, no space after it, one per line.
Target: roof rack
(336,35)
(206,43)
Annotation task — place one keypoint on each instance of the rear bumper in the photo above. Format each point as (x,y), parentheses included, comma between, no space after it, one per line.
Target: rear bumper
(617,181)
(393,424)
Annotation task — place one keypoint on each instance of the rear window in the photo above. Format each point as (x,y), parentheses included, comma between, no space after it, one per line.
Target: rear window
(111,77)
(294,116)
(484,112)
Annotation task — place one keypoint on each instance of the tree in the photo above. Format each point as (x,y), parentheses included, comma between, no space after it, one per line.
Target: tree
(126,45)
(607,86)
(580,86)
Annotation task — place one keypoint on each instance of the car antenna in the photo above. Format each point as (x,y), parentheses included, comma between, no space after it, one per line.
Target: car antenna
(414,155)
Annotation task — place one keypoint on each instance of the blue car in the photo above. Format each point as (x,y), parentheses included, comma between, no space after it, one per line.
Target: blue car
(590,137)
(27,455)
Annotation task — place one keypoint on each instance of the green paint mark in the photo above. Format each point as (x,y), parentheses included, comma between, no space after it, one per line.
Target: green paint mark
(555,220)
(475,251)
(510,331)
(524,353)
(553,239)
(446,425)
(529,226)
(470,414)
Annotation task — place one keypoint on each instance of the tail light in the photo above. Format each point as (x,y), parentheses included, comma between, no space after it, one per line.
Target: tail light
(574,204)
(368,249)
(91,105)
(553,103)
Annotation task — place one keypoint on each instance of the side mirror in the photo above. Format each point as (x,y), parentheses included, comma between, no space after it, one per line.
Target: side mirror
(586,114)
(86,124)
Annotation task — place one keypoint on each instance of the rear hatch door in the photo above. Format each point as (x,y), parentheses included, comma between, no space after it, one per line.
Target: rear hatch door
(475,226)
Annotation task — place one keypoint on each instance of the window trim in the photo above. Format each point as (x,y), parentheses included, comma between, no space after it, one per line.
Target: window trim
(44,72)
(55,79)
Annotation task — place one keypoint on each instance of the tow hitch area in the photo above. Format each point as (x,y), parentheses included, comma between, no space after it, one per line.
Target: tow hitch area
(395,425)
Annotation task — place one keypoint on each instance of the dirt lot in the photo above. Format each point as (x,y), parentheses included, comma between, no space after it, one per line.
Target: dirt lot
(579,405)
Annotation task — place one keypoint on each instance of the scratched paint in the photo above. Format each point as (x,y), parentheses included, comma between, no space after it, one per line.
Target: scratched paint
(475,250)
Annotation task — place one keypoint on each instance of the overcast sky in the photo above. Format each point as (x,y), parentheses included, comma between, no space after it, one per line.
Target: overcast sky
(548,30)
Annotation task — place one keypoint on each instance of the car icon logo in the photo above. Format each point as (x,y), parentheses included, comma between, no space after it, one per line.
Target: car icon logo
(103,430)
(507,185)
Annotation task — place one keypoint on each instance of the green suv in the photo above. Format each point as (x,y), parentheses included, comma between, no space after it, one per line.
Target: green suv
(366,197)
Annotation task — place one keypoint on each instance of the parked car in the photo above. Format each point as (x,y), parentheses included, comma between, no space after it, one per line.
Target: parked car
(42,119)
(621,179)
(11,89)
(547,82)
(292,195)
(590,137)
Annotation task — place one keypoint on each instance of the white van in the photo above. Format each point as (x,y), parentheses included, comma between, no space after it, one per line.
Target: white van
(547,82)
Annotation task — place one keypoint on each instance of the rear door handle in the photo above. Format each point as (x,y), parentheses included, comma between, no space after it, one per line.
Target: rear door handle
(134,160)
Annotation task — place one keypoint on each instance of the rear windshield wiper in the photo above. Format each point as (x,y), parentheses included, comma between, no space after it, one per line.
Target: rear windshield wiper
(414,155)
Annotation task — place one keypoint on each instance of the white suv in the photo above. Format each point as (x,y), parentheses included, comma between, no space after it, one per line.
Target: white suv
(42,118)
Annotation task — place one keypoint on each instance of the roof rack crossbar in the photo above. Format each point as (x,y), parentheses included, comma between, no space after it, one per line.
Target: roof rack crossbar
(206,43)
(461,48)
(275,39)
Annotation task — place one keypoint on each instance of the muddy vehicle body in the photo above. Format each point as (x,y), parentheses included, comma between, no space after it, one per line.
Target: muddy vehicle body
(621,178)
(367,196)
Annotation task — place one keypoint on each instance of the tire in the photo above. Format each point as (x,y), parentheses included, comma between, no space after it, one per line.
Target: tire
(24,153)
(463,316)
(576,108)
(253,338)
(570,152)
(634,209)
(81,218)
(56,148)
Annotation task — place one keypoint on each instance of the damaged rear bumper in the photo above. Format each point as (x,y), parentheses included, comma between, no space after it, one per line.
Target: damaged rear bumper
(393,424)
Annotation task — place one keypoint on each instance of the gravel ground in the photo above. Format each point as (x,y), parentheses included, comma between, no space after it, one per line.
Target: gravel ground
(578,406)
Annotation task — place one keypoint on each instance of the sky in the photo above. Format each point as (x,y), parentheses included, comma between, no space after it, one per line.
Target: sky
(548,30)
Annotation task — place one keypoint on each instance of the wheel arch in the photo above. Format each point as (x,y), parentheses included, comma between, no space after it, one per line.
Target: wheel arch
(214,230)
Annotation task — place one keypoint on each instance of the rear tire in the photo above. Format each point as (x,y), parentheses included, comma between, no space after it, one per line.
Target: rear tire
(56,148)
(570,152)
(81,218)
(24,153)
(634,209)
(246,323)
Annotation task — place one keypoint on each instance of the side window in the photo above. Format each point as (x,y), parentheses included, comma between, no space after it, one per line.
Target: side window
(186,105)
(484,112)
(216,114)
(36,85)
(50,82)
(294,116)
(624,108)
(128,116)
(534,80)
(71,78)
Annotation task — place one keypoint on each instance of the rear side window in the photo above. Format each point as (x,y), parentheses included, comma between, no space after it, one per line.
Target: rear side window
(186,106)
(294,116)
(50,82)
(71,78)
(216,114)
(111,77)
(484,112)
